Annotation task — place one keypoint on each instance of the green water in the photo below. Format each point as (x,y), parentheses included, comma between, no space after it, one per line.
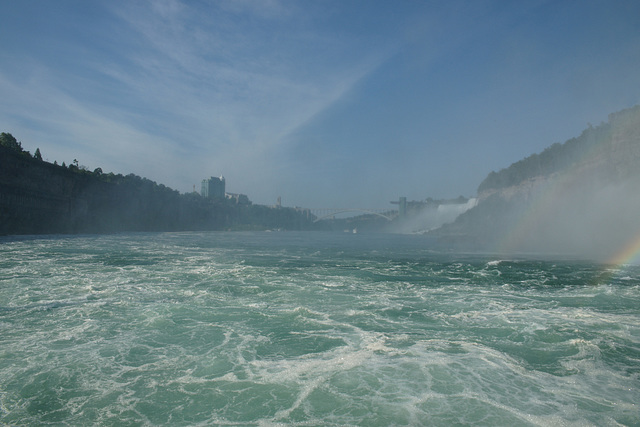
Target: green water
(315,329)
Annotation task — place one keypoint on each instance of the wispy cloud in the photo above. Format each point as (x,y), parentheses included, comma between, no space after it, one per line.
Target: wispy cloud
(217,86)
(235,89)
(267,91)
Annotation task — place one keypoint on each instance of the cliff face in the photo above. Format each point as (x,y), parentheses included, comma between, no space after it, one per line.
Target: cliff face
(34,196)
(37,197)
(577,198)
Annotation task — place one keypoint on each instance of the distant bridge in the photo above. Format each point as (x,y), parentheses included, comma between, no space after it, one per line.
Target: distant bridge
(324,213)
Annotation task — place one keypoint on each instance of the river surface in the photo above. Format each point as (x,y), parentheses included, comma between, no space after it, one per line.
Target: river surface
(310,329)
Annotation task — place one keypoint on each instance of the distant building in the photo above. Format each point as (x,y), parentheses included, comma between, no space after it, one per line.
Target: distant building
(213,188)
(239,199)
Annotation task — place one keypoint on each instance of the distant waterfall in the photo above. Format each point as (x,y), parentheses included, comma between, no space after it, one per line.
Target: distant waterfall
(453,210)
(429,219)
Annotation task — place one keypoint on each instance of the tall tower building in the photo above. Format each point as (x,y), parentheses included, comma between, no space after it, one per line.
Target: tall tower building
(213,188)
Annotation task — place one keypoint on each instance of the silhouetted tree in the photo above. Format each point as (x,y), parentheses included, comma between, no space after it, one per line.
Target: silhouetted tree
(37,154)
(7,140)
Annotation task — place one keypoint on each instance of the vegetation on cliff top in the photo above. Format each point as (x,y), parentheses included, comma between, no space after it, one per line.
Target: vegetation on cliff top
(577,198)
(556,158)
(8,141)
(38,197)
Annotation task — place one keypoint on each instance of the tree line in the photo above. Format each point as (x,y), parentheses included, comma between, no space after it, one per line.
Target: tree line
(555,158)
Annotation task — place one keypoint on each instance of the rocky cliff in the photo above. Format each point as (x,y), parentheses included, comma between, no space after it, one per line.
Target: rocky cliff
(37,197)
(578,198)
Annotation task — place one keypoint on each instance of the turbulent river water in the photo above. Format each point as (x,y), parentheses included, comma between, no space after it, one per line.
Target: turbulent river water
(310,329)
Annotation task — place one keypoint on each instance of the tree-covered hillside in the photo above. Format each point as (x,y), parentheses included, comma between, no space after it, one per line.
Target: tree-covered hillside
(577,198)
(38,197)
(592,145)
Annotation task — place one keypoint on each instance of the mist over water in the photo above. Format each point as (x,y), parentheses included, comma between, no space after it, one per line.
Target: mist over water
(431,218)
(574,216)
(310,329)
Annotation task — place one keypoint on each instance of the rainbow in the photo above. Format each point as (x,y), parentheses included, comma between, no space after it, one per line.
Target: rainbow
(543,197)
(630,254)
(532,225)
(547,197)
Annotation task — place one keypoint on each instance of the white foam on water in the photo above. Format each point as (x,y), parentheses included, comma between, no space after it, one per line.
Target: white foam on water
(158,330)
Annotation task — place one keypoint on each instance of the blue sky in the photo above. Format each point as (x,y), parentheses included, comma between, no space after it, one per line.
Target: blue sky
(325,103)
